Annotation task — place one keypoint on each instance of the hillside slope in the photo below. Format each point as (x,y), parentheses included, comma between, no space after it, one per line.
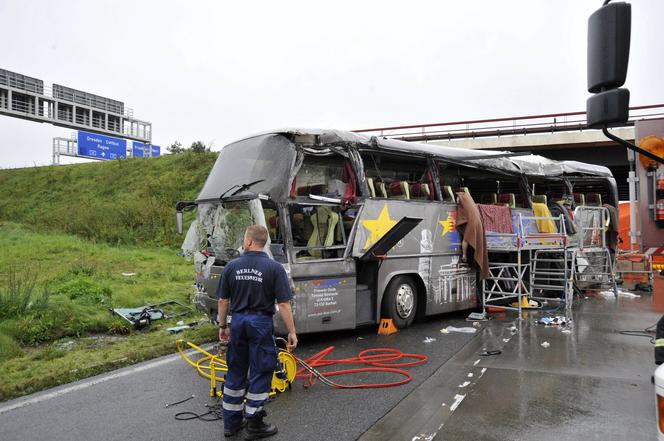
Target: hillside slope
(120,202)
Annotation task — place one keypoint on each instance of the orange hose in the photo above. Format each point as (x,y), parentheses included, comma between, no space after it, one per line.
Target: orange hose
(375,360)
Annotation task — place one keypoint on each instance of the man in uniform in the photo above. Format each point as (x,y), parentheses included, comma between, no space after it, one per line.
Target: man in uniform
(250,285)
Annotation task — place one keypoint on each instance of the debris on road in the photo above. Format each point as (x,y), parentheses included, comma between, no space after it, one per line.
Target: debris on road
(466,330)
(545,344)
(428,340)
(559,320)
(621,293)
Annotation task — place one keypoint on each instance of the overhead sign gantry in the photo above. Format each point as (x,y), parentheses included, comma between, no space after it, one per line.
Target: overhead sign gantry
(28,98)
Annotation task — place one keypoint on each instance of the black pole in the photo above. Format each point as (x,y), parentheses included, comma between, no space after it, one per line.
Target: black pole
(631,146)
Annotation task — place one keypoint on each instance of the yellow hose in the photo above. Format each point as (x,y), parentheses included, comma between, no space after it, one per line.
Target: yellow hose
(209,364)
(202,365)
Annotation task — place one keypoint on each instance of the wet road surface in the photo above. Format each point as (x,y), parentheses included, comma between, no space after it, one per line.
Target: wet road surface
(129,403)
(589,383)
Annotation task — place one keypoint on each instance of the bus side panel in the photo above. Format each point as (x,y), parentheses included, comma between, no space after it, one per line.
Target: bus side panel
(431,250)
(324,296)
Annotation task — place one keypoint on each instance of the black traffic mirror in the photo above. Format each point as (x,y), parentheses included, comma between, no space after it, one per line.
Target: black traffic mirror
(609,30)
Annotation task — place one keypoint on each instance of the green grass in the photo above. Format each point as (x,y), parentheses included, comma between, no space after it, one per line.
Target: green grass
(118,202)
(57,288)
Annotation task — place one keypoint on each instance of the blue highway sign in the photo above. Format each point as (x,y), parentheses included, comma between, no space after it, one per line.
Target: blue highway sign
(137,149)
(103,147)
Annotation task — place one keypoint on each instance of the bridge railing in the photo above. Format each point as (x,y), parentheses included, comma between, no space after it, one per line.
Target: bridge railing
(508,126)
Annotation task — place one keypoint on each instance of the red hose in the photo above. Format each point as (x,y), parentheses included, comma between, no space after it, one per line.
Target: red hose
(374,360)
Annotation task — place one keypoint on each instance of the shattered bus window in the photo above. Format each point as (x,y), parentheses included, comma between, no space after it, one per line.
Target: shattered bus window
(322,176)
(317,231)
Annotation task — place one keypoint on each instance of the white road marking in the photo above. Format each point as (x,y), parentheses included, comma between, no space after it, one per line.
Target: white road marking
(457,400)
(465,383)
(89,383)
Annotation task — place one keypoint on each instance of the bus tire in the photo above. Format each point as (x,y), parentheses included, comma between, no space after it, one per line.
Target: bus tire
(400,301)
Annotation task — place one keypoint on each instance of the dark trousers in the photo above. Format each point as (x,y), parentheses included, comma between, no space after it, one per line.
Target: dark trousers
(252,354)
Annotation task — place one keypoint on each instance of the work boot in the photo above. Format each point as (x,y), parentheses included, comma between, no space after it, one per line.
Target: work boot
(257,429)
(235,430)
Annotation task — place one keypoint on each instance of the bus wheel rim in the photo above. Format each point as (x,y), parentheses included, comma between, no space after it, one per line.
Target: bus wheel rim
(405,301)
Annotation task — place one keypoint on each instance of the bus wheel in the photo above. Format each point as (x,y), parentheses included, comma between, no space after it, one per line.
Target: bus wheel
(400,301)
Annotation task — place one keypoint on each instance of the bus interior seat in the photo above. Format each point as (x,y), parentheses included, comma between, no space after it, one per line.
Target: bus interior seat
(594,199)
(448,194)
(507,199)
(539,199)
(271,221)
(372,188)
(419,190)
(398,190)
(579,199)
(323,233)
(488,198)
(381,189)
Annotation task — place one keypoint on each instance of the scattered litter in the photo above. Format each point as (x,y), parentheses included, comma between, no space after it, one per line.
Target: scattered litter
(180,323)
(68,345)
(128,274)
(476,317)
(489,353)
(182,327)
(424,437)
(470,375)
(621,293)
(443,405)
(429,340)
(464,384)
(512,329)
(505,340)
(466,330)
(566,331)
(545,344)
(559,320)
(457,400)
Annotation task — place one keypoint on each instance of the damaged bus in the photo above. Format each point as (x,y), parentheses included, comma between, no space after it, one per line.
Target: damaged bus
(364,226)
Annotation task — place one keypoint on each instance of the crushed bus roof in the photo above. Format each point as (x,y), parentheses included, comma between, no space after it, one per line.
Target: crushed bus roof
(533,165)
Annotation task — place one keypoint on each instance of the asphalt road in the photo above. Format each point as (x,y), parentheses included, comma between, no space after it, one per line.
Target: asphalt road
(129,404)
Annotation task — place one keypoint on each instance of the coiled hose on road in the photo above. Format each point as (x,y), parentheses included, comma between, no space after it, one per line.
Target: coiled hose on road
(371,360)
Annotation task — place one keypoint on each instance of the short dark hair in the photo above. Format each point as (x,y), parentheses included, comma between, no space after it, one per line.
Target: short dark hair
(257,234)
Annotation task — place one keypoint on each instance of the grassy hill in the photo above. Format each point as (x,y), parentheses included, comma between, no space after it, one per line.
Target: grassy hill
(128,202)
(77,240)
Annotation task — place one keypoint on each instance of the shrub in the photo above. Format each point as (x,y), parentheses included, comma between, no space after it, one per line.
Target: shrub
(85,292)
(20,297)
(9,348)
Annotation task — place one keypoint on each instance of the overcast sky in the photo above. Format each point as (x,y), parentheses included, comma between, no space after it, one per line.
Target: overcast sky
(216,71)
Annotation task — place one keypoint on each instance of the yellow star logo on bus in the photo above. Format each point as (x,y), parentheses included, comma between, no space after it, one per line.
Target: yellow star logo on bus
(448,224)
(378,227)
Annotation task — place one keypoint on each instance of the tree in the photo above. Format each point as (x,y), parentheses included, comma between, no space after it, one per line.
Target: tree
(199,147)
(175,148)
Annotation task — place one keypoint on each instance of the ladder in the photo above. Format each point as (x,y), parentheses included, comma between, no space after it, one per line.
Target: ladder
(592,269)
(550,272)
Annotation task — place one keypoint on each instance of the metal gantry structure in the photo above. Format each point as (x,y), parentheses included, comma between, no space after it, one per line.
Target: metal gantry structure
(28,98)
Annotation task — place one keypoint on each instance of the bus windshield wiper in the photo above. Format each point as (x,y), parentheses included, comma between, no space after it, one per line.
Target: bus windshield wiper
(244,187)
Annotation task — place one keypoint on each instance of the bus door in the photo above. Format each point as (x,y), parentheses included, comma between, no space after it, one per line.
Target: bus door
(324,280)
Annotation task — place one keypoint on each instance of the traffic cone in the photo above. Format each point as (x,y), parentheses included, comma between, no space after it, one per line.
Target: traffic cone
(386,327)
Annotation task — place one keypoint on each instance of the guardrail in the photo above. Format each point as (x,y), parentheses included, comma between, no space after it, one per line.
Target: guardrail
(508,126)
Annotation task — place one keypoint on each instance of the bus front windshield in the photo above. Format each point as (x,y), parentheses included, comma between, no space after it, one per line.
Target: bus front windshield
(219,228)
(267,159)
